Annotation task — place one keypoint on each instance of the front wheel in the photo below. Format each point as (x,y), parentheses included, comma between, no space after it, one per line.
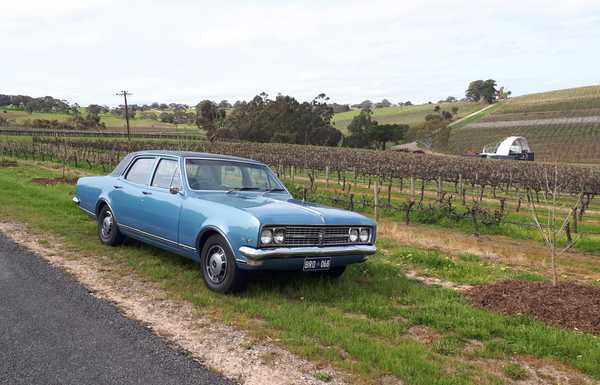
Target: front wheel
(219,271)
(108,230)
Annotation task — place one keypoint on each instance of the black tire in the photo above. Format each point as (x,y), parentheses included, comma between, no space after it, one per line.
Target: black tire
(219,270)
(335,272)
(108,230)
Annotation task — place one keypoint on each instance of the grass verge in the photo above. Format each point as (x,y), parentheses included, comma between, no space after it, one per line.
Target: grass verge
(358,323)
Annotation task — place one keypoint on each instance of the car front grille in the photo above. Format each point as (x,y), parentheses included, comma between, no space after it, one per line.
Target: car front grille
(316,236)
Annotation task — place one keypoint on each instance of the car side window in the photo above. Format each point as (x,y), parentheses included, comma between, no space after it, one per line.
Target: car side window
(167,174)
(140,170)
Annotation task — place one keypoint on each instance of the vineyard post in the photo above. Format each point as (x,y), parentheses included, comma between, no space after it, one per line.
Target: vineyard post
(412,186)
(376,199)
(327,176)
(460,185)
(439,188)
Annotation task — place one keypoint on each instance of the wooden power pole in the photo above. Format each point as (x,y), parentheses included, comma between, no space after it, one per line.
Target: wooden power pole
(124,94)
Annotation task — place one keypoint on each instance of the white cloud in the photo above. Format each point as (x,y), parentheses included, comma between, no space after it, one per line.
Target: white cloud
(186,50)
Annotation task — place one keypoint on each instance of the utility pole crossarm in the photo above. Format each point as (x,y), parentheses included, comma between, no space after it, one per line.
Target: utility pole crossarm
(124,94)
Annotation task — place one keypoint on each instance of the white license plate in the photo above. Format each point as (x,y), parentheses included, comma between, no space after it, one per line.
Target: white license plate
(311,264)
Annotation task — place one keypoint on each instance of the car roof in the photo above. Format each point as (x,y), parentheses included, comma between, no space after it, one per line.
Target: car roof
(192,154)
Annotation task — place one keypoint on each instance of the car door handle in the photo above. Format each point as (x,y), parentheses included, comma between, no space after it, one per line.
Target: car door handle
(117,186)
(146,193)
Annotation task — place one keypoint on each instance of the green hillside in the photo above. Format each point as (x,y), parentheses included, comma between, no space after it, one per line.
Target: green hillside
(561,125)
(113,123)
(405,114)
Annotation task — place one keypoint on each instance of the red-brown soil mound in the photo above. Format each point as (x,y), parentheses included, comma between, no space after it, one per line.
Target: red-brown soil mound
(568,305)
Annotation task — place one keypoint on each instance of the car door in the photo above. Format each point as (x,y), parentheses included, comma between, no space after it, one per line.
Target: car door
(162,202)
(129,192)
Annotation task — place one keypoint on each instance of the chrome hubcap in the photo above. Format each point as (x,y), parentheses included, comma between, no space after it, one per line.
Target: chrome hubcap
(216,264)
(107,225)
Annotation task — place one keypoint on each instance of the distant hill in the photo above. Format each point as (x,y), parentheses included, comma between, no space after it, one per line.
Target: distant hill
(562,125)
(406,114)
(113,123)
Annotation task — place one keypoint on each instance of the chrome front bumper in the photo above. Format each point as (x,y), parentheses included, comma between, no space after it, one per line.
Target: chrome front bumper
(291,252)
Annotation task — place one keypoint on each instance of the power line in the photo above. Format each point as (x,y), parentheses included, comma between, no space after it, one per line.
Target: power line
(124,94)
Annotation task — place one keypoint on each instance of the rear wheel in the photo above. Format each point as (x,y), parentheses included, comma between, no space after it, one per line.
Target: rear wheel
(219,270)
(108,230)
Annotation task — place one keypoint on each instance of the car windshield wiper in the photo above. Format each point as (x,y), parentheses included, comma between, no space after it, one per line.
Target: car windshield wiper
(243,189)
(276,189)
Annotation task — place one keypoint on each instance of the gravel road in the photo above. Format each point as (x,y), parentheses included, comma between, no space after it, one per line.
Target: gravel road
(53,331)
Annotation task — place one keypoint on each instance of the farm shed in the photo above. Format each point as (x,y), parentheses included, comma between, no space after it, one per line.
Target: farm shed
(513,147)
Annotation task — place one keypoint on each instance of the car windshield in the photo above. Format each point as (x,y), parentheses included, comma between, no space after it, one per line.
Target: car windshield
(204,174)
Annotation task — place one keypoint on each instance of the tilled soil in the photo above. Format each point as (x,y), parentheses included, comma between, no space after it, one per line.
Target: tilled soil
(568,305)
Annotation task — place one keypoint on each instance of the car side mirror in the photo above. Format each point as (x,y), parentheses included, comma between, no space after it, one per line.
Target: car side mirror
(174,190)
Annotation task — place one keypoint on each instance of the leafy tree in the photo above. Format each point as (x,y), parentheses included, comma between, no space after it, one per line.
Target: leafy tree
(224,104)
(166,117)
(482,90)
(359,129)
(151,115)
(94,109)
(366,132)
(502,94)
(451,99)
(364,105)
(383,103)
(339,107)
(381,134)
(207,116)
(5,100)
(283,120)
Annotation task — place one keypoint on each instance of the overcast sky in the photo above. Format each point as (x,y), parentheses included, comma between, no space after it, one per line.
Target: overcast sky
(185,51)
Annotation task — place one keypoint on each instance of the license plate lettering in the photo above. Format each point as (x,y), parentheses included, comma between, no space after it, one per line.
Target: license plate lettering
(317,263)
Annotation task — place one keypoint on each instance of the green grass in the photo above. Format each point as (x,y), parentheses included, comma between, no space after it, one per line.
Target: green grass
(465,269)
(365,314)
(515,372)
(405,114)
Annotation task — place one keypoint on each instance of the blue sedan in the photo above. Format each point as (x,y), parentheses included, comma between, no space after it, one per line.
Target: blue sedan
(230,214)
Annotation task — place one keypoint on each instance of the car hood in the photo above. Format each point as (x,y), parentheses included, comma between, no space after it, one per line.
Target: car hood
(281,209)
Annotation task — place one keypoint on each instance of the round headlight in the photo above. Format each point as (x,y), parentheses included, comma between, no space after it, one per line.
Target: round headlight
(279,236)
(266,237)
(364,235)
(353,236)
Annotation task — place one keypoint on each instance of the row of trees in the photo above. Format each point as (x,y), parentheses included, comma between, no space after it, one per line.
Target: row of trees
(30,104)
(262,119)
